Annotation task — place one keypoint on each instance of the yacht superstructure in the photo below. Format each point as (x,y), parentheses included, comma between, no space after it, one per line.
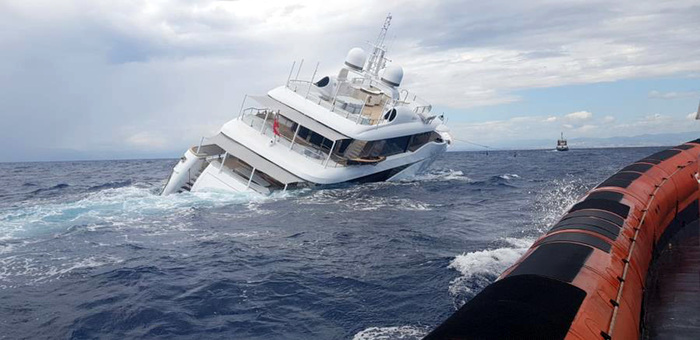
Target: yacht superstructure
(359,125)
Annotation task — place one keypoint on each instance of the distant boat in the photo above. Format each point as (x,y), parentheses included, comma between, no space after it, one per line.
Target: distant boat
(561,144)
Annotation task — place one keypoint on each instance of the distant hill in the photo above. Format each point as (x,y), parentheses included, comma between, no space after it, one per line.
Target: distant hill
(662,139)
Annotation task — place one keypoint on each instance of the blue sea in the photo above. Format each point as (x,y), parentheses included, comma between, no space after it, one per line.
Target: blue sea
(89,250)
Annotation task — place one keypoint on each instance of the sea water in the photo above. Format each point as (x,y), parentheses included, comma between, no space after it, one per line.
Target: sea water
(90,250)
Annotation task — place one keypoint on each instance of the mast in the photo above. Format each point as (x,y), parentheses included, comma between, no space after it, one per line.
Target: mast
(376,60)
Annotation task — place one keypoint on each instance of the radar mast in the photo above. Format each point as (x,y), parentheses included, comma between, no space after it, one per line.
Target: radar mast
(376,60)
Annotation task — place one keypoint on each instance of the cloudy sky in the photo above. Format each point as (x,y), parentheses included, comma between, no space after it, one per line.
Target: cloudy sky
(106,79)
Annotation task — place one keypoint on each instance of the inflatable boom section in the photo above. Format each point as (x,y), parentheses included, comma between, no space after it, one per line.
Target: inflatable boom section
(584,279)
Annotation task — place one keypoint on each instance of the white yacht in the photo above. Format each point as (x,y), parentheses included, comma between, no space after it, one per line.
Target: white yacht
(358,125)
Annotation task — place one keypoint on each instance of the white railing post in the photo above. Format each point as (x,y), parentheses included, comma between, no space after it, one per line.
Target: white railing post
(285,187)
(312,80)
(295,136)
(250,179)
(290,73)
(200,145)
(222,162)
(299,69)
(262,128)
(362,109)
(330,152)
(242,105)
(335,95)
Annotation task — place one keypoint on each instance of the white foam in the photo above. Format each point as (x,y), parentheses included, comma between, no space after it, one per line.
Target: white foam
(439,175)
(358,199)
(116,207)
(509,176)
(391,333)
(479,268)
(551,204)
(25,270)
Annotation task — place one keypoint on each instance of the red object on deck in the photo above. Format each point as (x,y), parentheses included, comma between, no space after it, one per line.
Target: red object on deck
(276,127)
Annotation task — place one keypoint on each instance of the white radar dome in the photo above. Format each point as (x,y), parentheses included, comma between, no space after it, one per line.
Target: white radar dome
(356,58)
(393,75)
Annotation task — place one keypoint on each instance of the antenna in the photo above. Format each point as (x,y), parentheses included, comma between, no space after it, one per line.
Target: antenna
(697,115)
(382,32)
(376,61)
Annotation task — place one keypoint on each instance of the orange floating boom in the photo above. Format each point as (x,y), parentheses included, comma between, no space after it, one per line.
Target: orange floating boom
(585,278)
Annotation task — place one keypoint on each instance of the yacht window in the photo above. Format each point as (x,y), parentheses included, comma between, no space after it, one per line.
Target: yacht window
(394,146)
(390,115)
(424,138)
(303,133)
(262,179)
(323,82)
(315,139)
(344,145)
(327,144)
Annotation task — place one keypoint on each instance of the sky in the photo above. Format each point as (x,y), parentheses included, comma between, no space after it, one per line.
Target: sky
(128,79)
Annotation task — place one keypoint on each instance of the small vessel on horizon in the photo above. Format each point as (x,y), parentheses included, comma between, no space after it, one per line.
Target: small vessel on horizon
(357,126)
(561,144)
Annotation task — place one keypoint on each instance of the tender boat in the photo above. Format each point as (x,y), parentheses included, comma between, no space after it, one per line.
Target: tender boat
(561,144)
(358,125)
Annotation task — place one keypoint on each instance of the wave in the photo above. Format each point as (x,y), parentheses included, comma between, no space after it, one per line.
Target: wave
(478,269)
(53,188)
(434,175)
(509,177)
(125,205)
(22,270)
(391,333)
(360,198)
(110,185)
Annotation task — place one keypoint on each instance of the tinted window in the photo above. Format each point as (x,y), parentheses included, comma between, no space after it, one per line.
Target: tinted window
(395,146)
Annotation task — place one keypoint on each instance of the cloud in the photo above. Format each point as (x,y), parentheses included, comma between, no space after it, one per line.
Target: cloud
(114,75)
(673,95)
(587,128)
(578,116)
(523,128)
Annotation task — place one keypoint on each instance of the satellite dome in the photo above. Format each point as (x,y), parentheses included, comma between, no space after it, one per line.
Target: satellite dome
(393,75)
(356,58)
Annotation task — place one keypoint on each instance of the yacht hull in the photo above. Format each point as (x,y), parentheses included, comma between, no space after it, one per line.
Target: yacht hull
(214,171)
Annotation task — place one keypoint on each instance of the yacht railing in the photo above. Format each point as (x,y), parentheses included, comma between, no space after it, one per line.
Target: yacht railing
(253,117)
(351,100)
(347,101)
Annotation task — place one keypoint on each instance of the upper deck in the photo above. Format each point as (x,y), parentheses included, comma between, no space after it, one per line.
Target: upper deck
(360,99)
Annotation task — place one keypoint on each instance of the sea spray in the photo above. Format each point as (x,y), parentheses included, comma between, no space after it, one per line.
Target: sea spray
(479,268)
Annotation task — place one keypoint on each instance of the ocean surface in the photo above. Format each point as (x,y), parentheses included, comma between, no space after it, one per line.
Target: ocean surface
(89,249)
